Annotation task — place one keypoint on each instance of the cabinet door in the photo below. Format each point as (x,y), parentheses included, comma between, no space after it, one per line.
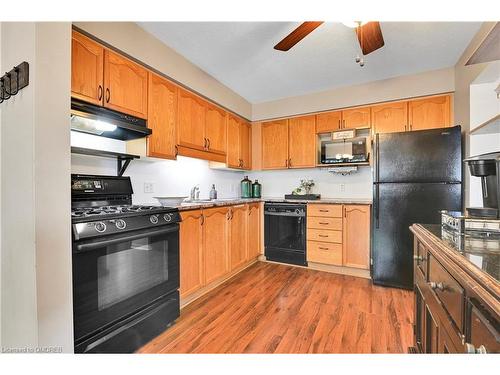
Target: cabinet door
(87,69)
(233,142)
(215,129)
(238,236)
(191,120)
(162,117)
(431,332)
(275,144)
(245,145)
(328,122)
(215,243)
(356,118)
(419,328)
(126,85)
(429,113)
(191,254)
(302,142)
(356,241)
(390,118)
(254,221)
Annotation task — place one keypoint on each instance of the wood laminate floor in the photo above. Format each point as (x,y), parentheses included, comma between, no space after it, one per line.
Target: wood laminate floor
(272,308)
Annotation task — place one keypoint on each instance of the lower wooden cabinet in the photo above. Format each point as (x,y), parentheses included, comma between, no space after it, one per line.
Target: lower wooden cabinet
(339,235)
(356,240)
(214,242)
(254,233)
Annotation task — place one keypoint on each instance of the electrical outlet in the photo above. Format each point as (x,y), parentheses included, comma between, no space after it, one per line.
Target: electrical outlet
(342,188)
(148,187)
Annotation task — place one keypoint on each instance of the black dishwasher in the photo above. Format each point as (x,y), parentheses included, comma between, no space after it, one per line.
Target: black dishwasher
(285,233)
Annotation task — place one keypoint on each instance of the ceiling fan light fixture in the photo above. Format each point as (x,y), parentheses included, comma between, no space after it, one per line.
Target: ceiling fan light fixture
(354,24)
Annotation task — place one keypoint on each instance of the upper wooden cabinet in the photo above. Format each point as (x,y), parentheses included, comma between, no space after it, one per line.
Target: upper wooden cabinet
(191,252)
(191,120)
(238,248)
(87,69)
(429,113)
(390,117)
(356,236)
(356,118)
(162,117)
(215,129)
(125,85)
(302,142)
(275,144)
(328,122)
(239,142)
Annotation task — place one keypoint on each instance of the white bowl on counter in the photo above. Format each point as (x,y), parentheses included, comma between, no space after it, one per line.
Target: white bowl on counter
(170,201)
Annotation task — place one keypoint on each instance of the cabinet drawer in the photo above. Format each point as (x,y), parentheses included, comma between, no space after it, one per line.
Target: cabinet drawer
(334,236)
(448,291)
(484,330)
(324,252)
(324,210)
(330,223)
(421,259)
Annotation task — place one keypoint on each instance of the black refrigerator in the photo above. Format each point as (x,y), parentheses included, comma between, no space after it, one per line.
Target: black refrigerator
(416,174)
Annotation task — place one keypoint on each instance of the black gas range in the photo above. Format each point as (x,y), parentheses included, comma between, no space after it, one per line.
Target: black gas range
(125,266)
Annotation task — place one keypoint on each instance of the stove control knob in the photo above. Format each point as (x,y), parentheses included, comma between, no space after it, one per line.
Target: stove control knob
(120,224)
(298,211)
(100,227)
(167,217)
(153,219)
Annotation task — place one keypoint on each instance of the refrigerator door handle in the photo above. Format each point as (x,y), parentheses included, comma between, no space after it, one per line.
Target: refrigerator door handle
(377,155)
(376,206)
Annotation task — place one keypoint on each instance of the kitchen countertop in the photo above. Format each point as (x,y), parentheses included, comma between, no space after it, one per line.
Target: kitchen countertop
(235,201)
(476,255)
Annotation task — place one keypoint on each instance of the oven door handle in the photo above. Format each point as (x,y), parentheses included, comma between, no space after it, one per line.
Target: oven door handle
(143,233)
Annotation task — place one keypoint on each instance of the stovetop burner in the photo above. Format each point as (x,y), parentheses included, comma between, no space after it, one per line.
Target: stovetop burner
(83,212)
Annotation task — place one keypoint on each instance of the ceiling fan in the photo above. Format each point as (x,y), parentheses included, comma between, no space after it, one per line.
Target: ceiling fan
(369,36)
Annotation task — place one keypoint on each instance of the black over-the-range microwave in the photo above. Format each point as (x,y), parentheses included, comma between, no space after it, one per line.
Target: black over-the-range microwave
(343,147)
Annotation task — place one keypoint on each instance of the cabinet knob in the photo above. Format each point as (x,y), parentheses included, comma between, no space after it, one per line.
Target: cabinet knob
(108,95)
(418,258)
(435,285)
(99,92)
(471,349)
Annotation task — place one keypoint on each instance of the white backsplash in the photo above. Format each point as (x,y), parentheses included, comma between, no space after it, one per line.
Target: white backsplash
(329,185)
(169,177)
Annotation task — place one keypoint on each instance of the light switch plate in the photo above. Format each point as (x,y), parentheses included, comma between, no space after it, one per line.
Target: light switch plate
(148,187)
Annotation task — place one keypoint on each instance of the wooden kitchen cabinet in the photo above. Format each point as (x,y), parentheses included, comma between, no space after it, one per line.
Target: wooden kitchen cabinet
(390,117)
(302,142)
(215,129)
(356,118)
(125,85)
(238,143)
(162,118)
(275,144)
(191,120)
(328,121)
(191,252)
(87,69)
(429,113)
(254,223)
(215,243)
(238,227)
(245,145)
(356,236)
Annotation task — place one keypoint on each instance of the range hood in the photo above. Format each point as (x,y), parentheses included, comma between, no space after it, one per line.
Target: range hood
(93,119)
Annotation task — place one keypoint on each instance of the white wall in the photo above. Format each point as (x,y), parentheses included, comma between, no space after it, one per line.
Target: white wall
(36,238)
(169,177)
(279,183)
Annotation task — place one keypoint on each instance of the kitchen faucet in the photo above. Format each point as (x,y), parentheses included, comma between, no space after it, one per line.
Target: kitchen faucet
(195,193)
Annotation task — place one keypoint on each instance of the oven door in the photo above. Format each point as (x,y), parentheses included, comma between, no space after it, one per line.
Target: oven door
(117,275)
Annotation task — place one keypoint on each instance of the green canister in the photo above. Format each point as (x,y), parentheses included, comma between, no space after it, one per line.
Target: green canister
(246,188)
(256,189)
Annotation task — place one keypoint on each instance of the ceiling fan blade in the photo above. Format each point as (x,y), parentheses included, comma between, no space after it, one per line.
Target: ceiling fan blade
(297,35)
(370,37)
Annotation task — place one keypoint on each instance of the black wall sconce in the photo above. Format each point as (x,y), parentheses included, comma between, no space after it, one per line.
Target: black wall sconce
(13,81)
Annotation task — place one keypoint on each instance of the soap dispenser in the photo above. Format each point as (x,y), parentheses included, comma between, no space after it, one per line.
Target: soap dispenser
(213,193)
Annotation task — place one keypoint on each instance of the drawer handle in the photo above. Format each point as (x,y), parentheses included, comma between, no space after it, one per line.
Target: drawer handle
(435,286)
(323,248)
(322,223)
(324,210)
(323,235)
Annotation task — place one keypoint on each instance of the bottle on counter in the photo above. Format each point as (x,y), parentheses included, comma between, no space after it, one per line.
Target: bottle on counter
(246,188)
(213,193)
(256,189)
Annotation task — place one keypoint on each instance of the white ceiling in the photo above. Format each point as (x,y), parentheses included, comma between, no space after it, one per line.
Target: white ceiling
(241,54)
